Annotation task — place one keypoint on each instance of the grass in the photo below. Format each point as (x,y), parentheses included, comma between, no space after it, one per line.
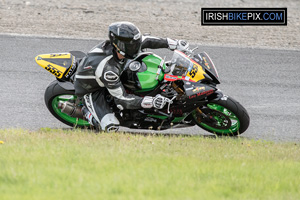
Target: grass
(75,164)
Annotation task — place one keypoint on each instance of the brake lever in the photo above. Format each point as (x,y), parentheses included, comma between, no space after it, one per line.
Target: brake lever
(191,51)
(169,103)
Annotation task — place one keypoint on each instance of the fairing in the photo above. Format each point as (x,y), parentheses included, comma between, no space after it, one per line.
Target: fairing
(205,61)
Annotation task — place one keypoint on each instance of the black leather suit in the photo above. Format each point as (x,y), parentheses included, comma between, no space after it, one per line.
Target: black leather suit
(101,69)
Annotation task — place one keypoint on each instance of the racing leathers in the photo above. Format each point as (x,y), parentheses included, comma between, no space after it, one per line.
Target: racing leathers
(99,72)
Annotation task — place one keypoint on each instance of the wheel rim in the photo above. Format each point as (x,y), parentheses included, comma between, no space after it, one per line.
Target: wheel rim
(73,120)
(221,126)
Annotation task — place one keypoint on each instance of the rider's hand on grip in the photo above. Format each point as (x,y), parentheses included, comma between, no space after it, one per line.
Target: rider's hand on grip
(159,101)
(182,45)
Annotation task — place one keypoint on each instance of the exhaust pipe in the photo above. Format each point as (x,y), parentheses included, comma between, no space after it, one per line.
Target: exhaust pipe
(70,109)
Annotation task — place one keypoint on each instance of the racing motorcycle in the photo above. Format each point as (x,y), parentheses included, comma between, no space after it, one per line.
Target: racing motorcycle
(188,80)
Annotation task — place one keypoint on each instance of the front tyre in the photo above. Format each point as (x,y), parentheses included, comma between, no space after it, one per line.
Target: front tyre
(55,94)
(225,116)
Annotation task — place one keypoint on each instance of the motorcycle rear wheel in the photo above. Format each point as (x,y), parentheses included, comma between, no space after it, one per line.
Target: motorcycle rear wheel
(226,117)
(54,94)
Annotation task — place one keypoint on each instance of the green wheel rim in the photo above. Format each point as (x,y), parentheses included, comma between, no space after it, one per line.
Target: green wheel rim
(235,122)
(73,120)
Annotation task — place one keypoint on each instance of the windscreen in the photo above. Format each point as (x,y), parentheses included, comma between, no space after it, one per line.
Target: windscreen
(181,64)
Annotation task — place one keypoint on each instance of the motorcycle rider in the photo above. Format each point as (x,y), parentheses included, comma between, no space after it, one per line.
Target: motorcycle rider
(101,70)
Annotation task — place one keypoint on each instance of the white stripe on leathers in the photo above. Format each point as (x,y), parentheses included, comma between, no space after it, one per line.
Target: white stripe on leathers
(118,93)
(100,68)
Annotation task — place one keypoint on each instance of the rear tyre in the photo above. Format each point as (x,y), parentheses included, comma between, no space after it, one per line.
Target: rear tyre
(224,117)
(55,93)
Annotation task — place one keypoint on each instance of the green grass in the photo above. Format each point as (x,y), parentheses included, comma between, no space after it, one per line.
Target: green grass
(75,164)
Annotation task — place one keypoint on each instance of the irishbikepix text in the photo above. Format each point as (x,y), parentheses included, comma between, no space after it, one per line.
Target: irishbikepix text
(244,16)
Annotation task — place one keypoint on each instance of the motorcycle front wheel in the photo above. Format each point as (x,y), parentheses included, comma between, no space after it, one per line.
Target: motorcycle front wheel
(224,117)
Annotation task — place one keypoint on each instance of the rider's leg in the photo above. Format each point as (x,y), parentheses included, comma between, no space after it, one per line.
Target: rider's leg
(100,111)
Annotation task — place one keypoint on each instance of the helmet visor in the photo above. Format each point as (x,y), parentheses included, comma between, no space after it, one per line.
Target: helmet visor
(130,48)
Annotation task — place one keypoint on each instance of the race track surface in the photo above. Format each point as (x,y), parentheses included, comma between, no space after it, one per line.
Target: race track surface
(266,82)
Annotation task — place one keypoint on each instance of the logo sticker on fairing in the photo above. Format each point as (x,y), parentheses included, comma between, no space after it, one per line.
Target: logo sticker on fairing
(137,36)
(111,76)
(72,68)
(88,67)
(198,89)
(206,63)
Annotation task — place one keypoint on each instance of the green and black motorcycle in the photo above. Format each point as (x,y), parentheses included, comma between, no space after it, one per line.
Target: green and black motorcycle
(188,80)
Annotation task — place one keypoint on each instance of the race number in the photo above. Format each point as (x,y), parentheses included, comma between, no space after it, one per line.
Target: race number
(53,70)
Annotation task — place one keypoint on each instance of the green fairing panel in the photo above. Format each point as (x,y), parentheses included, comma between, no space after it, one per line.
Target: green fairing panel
(147,78)
(176,120)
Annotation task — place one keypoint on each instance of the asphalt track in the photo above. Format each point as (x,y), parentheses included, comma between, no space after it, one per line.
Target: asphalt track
(266,82)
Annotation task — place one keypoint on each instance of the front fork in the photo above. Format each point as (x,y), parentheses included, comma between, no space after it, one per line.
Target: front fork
(218,95)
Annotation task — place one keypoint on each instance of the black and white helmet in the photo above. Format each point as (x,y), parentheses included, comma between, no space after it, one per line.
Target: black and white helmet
(126,38)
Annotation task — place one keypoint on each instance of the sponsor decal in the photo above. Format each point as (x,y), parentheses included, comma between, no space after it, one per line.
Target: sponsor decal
(137,36)
(57,55)
(198,89)
(111,76)
(171,77)
(206,63)
(88,67)
(207,93)
(72,68)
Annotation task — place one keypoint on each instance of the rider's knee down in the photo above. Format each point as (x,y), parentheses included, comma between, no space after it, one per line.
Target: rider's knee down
(112,128)
(110,123)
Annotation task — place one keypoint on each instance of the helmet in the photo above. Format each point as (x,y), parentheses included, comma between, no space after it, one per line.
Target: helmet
(126,38)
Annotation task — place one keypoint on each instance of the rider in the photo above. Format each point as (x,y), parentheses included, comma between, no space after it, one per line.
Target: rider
(102,67)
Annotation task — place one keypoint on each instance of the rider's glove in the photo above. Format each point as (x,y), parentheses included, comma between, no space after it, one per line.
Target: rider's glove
(147,102)
(157,102)
(180,45)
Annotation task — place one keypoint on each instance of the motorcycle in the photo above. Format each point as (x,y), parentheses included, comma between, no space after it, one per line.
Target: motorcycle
(188,80)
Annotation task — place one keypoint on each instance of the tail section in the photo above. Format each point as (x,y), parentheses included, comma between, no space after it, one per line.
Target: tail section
(61,65)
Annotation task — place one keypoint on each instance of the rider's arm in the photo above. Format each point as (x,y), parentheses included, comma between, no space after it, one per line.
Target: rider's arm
(157,43)
(111,80)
